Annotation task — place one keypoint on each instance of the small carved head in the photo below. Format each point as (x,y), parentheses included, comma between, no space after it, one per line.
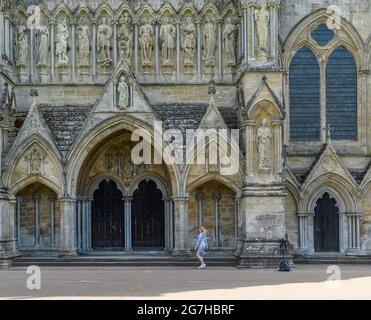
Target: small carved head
(264,122)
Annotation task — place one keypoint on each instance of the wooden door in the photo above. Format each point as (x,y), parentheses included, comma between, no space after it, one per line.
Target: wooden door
(107,217)
(148,216)
(326,225)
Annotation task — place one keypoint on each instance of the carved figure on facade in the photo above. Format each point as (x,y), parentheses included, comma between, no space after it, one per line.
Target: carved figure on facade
(123,94)
(125,39)
(61,48)
(229,43)
(167,38)
(21,45)
(189,42)
(146,42)
(104,43)
(83,43)
(209,42)
(264,140)
(262,25)
(35,160)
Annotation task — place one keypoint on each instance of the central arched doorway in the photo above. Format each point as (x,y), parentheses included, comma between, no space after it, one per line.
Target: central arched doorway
(326,225)
(107,217)
(148,217)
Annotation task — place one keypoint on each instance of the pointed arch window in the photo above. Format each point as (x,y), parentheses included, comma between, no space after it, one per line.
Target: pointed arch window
(321,96)
(305,97)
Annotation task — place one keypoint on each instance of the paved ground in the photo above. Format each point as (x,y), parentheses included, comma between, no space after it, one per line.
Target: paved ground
(304,282)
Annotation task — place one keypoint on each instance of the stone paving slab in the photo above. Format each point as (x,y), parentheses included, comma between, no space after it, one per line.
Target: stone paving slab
(304,282)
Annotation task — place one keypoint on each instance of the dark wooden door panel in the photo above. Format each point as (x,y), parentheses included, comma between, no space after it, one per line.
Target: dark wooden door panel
(107,216)
(326,225)
(148,217)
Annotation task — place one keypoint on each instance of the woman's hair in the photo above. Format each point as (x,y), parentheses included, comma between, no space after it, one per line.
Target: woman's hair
(202,229)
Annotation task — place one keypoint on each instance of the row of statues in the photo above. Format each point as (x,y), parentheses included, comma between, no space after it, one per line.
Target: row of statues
(146,41)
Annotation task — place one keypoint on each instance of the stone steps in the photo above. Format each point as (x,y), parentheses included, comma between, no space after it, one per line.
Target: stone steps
(123,261)
(332,259)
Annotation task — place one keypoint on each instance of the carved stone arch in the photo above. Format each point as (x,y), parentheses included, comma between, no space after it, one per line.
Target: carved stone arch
(368,53)
(229,9)
(210,7)
(23,148)
(267,107)
(188,9)
(312,201)
(294,190)
(104,9)
(83,11)
(122,9)
(167,9)
(355,54)
(62,10)
(20,11)
(300,31)
(345,191)
(300,45)
(146,11)
(27,181)
(213,177)
(101,132)
(94,185)
(159,181)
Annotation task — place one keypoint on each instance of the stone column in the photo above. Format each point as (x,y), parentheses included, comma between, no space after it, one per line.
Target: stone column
(86,223)
(79,227)
(178,47)
(18,216)
(238,218)
(278,135)
(68,226)
(157,46)
(36,200)
(52,200)
(127,217)
(114,23)
(73,23)
(244,28)
(7,244)
(200,198)
(32,56)
(274,43)
(181,245)
(199,47)
(220,48)
(354,232)
(169,224)
(136,51)
(52,48)
(6,38)
(217,197)
(11,40)
(2,38)
(94,48)
(303,231)
(251,31)
(13,223)
(250,127)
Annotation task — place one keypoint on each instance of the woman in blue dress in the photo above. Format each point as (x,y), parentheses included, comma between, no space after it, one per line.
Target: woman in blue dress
(201,246)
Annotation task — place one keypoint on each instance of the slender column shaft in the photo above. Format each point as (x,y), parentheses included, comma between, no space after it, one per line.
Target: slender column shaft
(178,35)
(181,224)
(19,199)
(220,48)
(115,22)
(32,56)
(36,200)
(52,220)
(52,48)
(217,219)
(73,32)
(127,217)
(199,48)
(94,48)
(1,35)
(157,48)
(136,51)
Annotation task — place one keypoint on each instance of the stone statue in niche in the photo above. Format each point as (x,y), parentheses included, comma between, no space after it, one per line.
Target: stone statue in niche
(35,158)
(61,39)
(229,43)
(264,141)
(262,26)
(125,39)
(21,45)
(189,42)
(83,43)
(146,42)
(104,43)
(42,46)
(123,94)
(167,37)
(209,42)
(112,161)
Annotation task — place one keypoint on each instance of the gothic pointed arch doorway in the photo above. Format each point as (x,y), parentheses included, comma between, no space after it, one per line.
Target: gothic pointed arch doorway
(326,225)
(107,217)
(148,216)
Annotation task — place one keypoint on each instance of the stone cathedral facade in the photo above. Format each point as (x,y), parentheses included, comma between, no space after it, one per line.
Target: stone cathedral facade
(79,78)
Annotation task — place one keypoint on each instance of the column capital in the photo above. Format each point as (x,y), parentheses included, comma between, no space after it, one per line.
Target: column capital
(52,22)
(73,22)
(303,214)
(36,197)
(135,22)
(181,199)
(67,199)
(94,21)
(220,21)
(128,199)
(249,123)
